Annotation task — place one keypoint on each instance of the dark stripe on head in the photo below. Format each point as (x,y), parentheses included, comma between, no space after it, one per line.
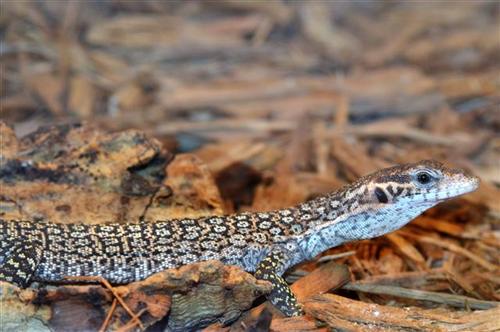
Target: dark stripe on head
(390,190)
(381,196)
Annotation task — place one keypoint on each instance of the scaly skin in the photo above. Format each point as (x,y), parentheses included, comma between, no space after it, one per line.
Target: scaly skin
(265,243)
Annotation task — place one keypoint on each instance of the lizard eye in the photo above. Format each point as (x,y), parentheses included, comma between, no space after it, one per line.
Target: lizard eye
(423,177)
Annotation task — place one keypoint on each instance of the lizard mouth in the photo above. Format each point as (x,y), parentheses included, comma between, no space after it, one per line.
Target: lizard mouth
(464,188)
(469,186)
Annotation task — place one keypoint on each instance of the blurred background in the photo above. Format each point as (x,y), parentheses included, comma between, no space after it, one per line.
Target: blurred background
(319,92)
(211,107)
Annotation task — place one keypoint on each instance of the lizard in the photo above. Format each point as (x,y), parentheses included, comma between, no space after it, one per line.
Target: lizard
(264,243)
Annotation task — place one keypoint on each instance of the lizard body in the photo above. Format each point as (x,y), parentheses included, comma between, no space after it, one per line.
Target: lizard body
(264,243)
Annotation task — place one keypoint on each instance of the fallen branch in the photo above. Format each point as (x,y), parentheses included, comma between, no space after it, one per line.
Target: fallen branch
(350,315)
(458,301)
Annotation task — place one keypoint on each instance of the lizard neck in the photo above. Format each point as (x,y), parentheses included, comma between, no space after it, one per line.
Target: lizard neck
(345,216)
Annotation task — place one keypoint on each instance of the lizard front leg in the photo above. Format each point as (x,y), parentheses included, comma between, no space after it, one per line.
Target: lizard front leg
(281,296)
(20,263)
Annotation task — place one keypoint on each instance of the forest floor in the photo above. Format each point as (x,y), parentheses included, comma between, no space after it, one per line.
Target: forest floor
(226,106)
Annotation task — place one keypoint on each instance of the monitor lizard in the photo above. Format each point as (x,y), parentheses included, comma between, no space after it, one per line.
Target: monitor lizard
(265,243)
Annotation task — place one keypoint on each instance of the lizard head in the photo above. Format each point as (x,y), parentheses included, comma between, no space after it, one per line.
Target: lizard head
(384,201)
(423,183)
(390,198)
